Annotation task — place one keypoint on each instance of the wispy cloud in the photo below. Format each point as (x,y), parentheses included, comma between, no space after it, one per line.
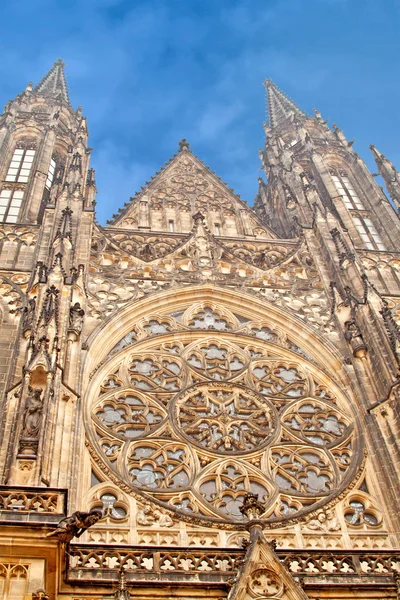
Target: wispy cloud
(148,72)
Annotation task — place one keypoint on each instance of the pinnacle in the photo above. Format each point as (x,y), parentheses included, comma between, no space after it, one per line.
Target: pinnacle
(54,83)
(183,145)
(279,106)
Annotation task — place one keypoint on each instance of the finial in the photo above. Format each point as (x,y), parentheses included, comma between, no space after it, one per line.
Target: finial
(252,508)
(60,62)
(29,87)
(183,145)
(198,217)
(122,593)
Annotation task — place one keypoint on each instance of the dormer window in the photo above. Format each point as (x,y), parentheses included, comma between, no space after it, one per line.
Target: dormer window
(21,165)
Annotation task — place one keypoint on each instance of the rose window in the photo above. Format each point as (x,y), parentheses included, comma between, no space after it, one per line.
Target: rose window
(195,417)
(223,417)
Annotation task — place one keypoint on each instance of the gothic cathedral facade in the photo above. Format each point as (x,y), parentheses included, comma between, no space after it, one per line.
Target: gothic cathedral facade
(200,399)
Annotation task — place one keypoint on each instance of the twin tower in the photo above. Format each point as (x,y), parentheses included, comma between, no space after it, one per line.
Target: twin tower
(204,395)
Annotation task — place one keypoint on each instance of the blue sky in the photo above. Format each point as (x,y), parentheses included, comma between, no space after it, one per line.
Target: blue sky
(149,72)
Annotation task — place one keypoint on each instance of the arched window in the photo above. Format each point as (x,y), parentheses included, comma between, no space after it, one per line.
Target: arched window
(50,174)
(368,233)
(21,165)
(364,225)
(10,203)
(347,192)
(18,173)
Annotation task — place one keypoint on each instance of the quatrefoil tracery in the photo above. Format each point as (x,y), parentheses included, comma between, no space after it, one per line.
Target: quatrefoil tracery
(198,421)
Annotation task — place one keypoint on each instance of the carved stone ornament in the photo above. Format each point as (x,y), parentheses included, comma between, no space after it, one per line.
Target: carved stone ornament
(265,583)
(75,525)
(31,422)
(29,315)
(40,595)
(324,521)
(252,508)
(32,413)
(191,420)
(150,515)
(122,593)
(76,315)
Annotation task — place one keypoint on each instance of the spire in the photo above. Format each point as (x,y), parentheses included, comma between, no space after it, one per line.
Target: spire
(389,174)
(280,107)
(54,83)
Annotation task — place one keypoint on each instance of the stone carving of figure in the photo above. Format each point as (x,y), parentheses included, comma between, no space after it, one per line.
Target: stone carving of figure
(324,521)
(32,414)
(201,247)
(162,519)
(75,525)
(144,516)
(353,335)
(76,314)
(149,516)
(147,252)
(29,313)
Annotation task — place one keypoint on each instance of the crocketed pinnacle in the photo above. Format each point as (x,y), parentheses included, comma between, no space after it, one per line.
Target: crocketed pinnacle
(279,106)
(54,83)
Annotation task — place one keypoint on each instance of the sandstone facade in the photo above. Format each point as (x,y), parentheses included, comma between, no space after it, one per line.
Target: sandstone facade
(217,384)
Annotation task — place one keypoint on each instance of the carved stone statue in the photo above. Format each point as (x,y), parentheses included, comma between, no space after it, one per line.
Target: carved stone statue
(153,516)
(76,314)
(201,247)
(147,253)
(75,525)
(40,595)
(32,414)
(29,314)
(324,521)
(353,335)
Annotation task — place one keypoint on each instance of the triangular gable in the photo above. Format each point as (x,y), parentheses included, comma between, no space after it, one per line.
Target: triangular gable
(262,575)
(188,186)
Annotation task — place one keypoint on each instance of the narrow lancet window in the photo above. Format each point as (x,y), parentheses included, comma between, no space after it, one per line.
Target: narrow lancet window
(347,192)
(50,174)
(10,204)
(368,233)
(21,165)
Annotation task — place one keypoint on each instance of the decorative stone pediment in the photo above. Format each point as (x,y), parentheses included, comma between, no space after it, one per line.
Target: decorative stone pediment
(263,576)
(182,188)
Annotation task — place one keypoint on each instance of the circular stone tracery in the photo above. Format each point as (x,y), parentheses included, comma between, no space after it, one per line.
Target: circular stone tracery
(225,418)
(270,424)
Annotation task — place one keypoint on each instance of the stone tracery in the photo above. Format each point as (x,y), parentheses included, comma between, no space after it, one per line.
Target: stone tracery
(195,421)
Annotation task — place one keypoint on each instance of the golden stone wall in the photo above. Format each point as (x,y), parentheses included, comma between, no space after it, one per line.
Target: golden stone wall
(193,358)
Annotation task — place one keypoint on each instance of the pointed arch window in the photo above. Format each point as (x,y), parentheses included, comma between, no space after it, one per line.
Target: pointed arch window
(50,174)
(21,165)
(10,204)
(347,192)
(368,233)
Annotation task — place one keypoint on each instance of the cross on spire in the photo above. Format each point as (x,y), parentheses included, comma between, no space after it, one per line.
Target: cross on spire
(279,106)
(54,82)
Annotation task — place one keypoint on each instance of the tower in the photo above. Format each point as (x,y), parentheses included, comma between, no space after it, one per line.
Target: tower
(199,398)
